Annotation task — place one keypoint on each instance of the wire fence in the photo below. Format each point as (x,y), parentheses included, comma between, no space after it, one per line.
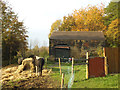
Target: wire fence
(68,76)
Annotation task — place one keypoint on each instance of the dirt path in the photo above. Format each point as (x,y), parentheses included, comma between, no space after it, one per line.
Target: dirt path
(33,82)
(11,79)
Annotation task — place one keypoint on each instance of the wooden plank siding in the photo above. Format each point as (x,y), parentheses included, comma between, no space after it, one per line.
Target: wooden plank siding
(113,59)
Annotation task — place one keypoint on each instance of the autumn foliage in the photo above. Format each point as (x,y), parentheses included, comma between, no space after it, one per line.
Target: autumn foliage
(113,33)
(84,19)
(89,19)
(94,18)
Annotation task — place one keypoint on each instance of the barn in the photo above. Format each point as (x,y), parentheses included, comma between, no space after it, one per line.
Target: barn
(61,43)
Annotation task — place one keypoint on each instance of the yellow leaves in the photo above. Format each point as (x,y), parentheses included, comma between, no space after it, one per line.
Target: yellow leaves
(89,19)
(113,32)
(55,26)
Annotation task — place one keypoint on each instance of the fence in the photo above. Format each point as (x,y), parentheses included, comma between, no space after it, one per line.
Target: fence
(81,62)
(95,67)
(70,72)
(113,59)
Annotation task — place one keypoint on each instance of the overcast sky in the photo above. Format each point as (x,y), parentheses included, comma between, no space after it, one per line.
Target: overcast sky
(38,15)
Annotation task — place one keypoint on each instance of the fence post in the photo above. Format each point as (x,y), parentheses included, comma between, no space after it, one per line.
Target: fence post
(62,81)
(105,62)
(60,67)
(87,76)
(106,66)
(72,65)
(103,52)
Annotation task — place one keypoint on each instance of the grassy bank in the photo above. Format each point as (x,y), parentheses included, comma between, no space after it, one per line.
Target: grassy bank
(110,81)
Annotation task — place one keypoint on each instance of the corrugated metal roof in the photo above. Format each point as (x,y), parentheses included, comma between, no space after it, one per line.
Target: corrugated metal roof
(78,35)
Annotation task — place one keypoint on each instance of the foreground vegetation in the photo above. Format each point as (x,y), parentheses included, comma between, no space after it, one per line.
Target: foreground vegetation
(110,81)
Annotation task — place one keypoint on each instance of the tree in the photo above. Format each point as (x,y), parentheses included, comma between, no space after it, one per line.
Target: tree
(68,23)
(112,12)
(113,33)
(55,27)
(44,51)
(36,50)
(111,20)
(90,19)
(14,36)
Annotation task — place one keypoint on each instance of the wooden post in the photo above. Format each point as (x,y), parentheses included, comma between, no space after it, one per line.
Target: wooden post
(72,65)
(103,52)
(87,76)
(106,66)
(60,66)
(105,62)
(62,81)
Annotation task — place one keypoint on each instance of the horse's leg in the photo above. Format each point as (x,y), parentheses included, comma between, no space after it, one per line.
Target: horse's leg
(40,70)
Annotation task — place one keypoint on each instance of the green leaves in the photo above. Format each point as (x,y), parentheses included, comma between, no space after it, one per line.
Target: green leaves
(112,12)
(111,20)
(13,33)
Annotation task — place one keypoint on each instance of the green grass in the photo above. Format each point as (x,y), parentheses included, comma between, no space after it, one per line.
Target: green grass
(56,75)
(109,81)
(65,68)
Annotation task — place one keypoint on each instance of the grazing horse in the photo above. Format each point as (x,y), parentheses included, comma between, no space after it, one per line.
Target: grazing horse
(39,62)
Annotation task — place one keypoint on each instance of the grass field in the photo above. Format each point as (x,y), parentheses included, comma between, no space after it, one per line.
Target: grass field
(109,81)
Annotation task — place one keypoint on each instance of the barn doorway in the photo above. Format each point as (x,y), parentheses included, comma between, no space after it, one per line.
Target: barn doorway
(62,51)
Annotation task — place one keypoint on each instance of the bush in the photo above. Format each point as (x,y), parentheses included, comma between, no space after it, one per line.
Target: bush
(51,58)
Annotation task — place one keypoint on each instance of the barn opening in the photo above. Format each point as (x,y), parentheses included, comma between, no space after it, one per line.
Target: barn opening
(62,51)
